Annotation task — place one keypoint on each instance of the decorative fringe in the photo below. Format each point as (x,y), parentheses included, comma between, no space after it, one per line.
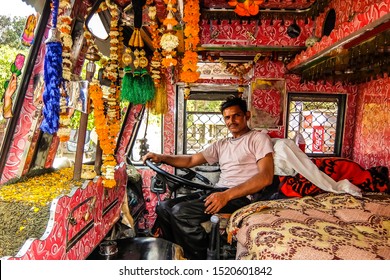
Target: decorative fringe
(159,104)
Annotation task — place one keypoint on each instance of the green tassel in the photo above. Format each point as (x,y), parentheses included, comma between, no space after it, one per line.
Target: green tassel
(137,88)
(127,85)
(148,86)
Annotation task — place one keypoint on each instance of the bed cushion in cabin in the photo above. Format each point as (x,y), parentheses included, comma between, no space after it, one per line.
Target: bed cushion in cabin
(375,179)
(327,226)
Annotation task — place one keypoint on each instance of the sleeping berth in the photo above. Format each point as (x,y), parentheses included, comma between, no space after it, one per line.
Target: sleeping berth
(334,209)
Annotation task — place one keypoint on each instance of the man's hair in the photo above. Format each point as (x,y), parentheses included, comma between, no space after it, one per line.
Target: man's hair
(234,101)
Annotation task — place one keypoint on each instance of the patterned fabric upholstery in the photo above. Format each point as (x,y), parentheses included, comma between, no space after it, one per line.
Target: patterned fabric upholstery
(327,226)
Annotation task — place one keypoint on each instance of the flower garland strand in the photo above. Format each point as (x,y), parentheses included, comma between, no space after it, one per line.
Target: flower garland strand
(159,104)
(106,105)
(155,64)
(189,72)
(169,40)
(239,69)
(105,137)
(65,29)
(108,117)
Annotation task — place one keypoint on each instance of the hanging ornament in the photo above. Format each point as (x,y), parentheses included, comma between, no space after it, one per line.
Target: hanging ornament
(239,69)
(169,40)
(64,26)
(52,76)
(137,88)
(155,64)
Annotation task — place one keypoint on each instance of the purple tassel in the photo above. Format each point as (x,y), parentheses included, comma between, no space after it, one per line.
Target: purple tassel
(52,78)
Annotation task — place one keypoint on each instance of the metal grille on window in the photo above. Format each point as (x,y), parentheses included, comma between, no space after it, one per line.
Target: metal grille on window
(318,118)
(203,127)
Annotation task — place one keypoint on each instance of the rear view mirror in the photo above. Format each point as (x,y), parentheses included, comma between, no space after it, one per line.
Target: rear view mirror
(98,23)
(96,27)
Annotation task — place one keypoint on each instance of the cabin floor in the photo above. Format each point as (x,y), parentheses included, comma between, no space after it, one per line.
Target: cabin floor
(137,248)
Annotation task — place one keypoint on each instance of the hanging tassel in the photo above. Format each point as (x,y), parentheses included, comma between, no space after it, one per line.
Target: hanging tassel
(127,84)
(137,88)
(143,87)
(159,104)
(52,77)
(148,88)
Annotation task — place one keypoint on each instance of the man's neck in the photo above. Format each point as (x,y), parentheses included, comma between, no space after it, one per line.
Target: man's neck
(242,132)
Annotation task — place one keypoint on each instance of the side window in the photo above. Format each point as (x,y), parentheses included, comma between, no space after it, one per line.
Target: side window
(148,137)
(319,119)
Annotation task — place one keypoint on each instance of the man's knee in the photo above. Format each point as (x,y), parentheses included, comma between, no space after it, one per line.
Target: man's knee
(178,211)
(163,208)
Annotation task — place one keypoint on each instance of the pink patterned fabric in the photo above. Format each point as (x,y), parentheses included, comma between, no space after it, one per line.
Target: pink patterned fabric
(328,226)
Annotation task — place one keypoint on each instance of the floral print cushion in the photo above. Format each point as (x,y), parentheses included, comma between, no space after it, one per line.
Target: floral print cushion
(328,226)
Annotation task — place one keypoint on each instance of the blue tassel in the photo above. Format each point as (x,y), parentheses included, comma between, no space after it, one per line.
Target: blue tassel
(52,78)
(52,95)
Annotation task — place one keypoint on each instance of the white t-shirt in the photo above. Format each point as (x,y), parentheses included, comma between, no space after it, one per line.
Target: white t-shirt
(237,157)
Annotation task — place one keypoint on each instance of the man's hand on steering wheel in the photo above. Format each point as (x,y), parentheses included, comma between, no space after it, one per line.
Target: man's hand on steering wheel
(156,158)
(186,180)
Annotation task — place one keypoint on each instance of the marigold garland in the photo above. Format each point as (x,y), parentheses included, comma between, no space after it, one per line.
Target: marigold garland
(246,7)
(189,72)
(169,41)
(107,131)
(106,105)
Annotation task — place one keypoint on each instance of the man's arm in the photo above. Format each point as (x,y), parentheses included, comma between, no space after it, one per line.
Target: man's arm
(180,161)
(263,178)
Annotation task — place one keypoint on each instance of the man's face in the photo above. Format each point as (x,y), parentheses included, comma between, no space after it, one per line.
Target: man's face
(236,120)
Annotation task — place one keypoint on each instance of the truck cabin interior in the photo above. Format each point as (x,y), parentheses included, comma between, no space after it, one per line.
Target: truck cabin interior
(153,74)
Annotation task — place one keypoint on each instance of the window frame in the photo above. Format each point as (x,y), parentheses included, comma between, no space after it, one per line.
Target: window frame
(321,97)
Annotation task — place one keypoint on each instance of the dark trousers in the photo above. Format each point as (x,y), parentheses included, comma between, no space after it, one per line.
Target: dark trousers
(180,221)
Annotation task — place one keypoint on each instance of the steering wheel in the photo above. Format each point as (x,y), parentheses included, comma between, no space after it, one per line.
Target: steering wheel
(185,180)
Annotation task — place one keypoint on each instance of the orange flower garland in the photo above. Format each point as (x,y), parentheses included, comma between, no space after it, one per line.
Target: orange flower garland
(107,140)
(246,7)
(189,72)
(106,105)
(169,41)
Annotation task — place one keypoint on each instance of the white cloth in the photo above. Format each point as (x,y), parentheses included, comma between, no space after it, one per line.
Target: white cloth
(290,160)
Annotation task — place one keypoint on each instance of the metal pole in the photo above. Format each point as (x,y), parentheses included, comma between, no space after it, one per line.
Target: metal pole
(78,162)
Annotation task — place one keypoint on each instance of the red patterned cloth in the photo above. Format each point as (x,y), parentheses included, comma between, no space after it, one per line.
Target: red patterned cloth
(375,179)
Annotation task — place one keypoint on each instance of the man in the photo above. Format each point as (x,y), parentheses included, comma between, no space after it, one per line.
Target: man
(246,163)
